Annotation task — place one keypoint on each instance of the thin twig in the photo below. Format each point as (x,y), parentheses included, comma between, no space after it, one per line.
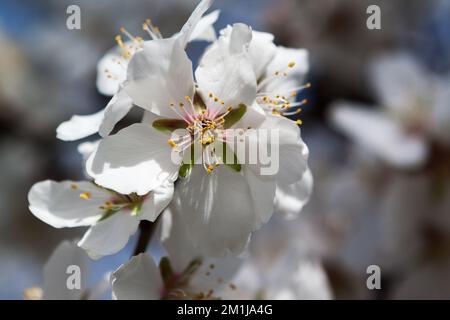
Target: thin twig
(146,231)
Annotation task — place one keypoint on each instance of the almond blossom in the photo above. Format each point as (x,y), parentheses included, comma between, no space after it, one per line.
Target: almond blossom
(139,158)
(111,217)
(414,113)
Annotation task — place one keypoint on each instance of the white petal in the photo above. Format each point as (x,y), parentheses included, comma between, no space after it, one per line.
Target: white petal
(380,135)
(59,203)
(217,210)
(86,148)
(292,155)
(261,49)
(138,279)
(307,280)
(295,75)
(79,127)
(204,29)
(55,272)
(110,74)
(117,108)
(399,80)
(189,27)
(136,159)
(156,201)
(227,72)
(262,191)
(159,75)
(110,235)
(213,272)
(290,199)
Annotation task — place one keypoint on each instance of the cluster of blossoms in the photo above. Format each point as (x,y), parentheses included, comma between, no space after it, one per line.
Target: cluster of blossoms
(205,213)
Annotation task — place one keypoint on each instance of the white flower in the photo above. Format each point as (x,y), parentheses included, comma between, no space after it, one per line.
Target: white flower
(415,113)
(279,71)
(112,217)
(183,274)
(112,71)
(223,205)
(55,274)
(280,264)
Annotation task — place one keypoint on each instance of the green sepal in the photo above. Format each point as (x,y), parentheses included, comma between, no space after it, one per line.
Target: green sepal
(185,170)
(234,116)
(169,125)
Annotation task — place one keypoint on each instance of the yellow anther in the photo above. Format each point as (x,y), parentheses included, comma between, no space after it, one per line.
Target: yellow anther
(216,99)
(181,104)
(298,122)
(294,94)
(210,169)
(276,112)
(187,98)
(210,95)
(298,110)
(126,54)
(118,39)
(85,195)
(122,29)
(291,64)
(222,102)
(171,143)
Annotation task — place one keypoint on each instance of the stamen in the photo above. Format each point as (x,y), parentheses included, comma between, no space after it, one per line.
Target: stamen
(85,195)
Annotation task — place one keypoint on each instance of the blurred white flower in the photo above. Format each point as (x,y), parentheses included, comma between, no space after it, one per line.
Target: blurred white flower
(112,72)
(55,277)
(281,264)
(415,113)
(112,217)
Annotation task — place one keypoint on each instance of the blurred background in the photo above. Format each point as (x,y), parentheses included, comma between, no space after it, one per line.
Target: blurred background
(364,210)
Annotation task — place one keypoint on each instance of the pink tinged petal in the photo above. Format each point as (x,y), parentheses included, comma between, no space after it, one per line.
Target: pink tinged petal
(117,108)
(156,201)
(160,75)
(67,254)
(380,135)
(227,72)
(204,30)
(110,235)
(67,203)
(291,198)
(138,279)
(189,27)
(79,127)
(136,159)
